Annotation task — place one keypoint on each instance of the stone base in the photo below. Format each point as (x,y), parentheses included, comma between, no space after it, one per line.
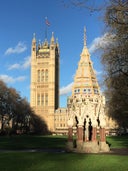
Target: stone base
(104,147)
(88,147)
(69,146)
(79,145)
(91,147)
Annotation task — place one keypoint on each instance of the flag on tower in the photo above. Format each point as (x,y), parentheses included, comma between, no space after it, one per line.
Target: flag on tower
(47,22)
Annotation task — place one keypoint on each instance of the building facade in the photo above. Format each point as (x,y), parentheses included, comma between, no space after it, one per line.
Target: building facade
(44,93)
(86,102)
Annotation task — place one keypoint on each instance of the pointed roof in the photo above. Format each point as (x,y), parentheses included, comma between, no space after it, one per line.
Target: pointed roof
(85,81)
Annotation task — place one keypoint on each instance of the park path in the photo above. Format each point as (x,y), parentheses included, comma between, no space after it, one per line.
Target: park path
(119,151)
(113,151)
(51,150)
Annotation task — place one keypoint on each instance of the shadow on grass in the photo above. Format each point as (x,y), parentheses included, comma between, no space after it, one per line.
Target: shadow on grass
(45,142)
(32,142)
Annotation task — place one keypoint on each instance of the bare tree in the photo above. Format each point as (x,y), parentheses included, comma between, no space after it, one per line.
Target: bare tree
(115,61)
(17,111)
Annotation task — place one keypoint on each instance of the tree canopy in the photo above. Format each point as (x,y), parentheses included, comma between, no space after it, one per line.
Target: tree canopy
(115,61)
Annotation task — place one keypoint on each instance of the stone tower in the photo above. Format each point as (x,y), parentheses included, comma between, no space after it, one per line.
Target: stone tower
(44,95)
(86,108)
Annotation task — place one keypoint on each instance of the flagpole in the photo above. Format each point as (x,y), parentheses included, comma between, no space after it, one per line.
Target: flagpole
(46,27)
(46,30)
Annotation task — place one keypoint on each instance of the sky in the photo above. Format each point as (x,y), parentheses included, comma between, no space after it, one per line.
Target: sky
(19,19)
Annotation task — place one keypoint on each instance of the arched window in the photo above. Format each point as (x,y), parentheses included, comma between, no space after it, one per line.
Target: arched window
(38,75)
(42,76)
(89,91)
(96,91)
(78,90)
(84,91)
(75,91)
(46,75)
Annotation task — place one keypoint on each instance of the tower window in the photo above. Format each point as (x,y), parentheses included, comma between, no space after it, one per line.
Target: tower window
(46,99)
(38,99)
(42,75)
(46,75)
(42,99)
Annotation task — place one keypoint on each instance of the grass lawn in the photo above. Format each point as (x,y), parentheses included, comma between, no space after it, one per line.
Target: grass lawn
(61,162)
(118,141)
(43,161)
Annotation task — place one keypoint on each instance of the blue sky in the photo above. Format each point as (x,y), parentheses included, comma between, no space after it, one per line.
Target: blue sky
(21,18)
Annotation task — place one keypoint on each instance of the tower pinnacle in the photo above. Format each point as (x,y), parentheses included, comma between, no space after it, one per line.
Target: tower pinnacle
(52,38)
(34,36)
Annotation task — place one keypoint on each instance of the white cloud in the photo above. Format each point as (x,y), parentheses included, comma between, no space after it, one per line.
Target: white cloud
(98,72)
(102,42)
(19,48)
(9,79)
(65,90)
(24,65)
(14,66)
(20,79)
